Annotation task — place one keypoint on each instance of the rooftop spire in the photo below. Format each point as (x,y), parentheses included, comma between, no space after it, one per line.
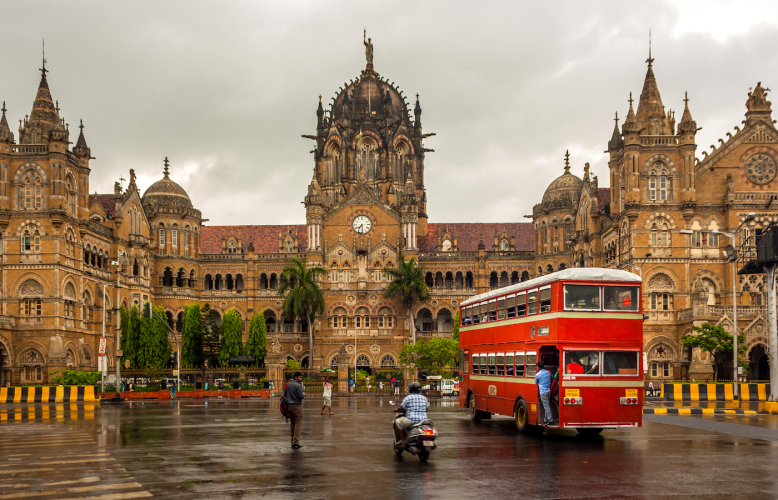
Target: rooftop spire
(567,161)
(44,112)
(687,125)
(616,142)
(43,69)
(651,112)
(650,60)
(166,170)
(5,130)
(81,148)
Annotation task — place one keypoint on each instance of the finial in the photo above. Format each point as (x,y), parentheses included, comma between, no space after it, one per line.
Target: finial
(650,60)
(121,181)
(686,98)
(567,161)
(630,99)
(617,118)
(4,110)
(417,97)
(81,126)
(167,170)
(56,107)
(43,69)
(319,97)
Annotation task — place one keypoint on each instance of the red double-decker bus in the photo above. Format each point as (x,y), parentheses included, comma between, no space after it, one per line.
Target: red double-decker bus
(585,324)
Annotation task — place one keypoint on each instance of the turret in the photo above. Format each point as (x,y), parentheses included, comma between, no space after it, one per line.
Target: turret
(81,149)
(417,114)
(6,135)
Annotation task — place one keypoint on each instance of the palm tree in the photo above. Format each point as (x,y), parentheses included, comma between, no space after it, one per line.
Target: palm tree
(302,294)
(408,285)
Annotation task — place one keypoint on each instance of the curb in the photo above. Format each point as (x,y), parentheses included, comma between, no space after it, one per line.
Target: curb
(695,411)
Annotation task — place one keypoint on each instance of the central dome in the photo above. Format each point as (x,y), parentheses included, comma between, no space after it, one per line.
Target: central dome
(369,95)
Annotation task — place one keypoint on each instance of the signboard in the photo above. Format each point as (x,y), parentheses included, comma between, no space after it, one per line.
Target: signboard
(101,350)
(435,377)
(645,363)
(111,380)
(241,359)
(127,363)
(175,373)
(102,364)
(120,353)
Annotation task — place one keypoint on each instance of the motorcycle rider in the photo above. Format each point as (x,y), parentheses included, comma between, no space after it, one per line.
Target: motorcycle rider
(415,406)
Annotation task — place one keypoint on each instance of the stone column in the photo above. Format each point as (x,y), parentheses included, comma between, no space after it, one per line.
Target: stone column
(343,363)
(274,363)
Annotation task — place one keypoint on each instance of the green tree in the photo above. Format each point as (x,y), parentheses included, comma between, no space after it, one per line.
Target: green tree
(130,335)
(455,329)
(232,337)
(302,294)
(436,354)
(408,285)
(192,354)
(154,349)
(292,364)
(211,335)
(257,342)
(714,339)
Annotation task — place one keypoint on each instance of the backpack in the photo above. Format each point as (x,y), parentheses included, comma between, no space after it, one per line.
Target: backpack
(554,387)
(284,406)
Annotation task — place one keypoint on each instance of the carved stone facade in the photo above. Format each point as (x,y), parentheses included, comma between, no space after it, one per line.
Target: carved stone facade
(366,207)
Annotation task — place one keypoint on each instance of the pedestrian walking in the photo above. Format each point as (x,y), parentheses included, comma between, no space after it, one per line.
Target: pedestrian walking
(294,397)
(651,388)
(351,387)
(380,388)
(396,387)
(543,379)
(367,383)
(327,393)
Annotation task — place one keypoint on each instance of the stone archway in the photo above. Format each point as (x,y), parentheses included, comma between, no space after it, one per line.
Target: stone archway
(758,362)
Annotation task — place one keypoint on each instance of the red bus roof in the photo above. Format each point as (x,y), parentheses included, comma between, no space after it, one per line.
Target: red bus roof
(577,274)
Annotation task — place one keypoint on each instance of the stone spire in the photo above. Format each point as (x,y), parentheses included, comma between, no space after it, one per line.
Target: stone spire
(44,118)
(567,161)
(631,123)
(81,148)
(5,131)
(320,113)
(687,125)
(166,170)
(616,141)
(417,114)
(651,115)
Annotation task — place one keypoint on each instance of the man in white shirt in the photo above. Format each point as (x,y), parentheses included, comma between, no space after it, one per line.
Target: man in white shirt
(327,393)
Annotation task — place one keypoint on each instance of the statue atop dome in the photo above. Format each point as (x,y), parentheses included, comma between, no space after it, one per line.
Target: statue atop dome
(368,49)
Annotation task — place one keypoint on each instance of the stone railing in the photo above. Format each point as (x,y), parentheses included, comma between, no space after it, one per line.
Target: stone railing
(24,148)
(658,140)
(99,228)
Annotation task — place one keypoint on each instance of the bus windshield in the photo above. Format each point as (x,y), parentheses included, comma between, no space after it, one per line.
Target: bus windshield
(620,298)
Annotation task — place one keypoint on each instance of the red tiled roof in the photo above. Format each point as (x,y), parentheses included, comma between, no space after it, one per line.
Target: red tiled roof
(107,201)
(603,198)
(265,238)
(469,234)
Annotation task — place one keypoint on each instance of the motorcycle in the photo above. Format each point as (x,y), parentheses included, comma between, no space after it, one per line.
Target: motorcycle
(419,438)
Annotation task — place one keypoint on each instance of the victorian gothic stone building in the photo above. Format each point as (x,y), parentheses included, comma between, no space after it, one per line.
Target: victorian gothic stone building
(366,208)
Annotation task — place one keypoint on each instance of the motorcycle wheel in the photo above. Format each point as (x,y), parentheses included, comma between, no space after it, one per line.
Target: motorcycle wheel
(424,455)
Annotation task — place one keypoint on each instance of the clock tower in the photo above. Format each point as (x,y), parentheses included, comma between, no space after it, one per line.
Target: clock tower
(365,208)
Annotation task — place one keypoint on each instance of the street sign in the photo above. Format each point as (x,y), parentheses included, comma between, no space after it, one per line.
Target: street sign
(127,363)
(101,351)
(120,353)
(241,359)
(435,377)
(175,373)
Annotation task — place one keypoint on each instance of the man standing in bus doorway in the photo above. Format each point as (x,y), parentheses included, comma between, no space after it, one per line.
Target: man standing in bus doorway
(543,380)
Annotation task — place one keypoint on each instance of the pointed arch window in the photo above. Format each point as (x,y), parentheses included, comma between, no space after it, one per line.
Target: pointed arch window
(653,235)
(31,241)
(368,156)
(33,194)
(652,186)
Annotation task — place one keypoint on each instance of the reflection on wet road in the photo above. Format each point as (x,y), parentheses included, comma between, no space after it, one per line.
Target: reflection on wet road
(191,449)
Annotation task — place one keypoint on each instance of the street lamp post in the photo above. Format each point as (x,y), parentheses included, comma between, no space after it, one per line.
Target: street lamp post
(640,267)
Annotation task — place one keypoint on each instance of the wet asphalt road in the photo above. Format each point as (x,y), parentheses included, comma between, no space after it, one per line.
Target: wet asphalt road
(226,449)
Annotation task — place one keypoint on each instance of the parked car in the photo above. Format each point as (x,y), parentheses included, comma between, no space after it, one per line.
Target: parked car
(449,387)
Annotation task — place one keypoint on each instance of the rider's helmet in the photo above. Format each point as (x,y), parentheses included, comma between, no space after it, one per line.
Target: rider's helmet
(414,387)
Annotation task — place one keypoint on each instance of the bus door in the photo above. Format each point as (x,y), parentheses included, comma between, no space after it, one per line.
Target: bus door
(549,355)
(464,376)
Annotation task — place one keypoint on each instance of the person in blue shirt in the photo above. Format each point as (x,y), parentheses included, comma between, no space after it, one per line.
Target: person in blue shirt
(415,407)
(543,380)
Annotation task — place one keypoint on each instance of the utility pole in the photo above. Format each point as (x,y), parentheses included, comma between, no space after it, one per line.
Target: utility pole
(772,329)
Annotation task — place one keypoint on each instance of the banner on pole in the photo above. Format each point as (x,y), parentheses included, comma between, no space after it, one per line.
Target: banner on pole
(101,351)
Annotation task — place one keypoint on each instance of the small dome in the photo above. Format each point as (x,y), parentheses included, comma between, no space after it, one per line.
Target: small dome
(564,190)
(166,192)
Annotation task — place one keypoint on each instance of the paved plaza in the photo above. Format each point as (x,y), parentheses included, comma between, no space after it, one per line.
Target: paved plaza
(224,449)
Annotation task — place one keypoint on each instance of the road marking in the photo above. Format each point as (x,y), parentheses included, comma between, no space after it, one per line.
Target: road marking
(82,480)
(60,462)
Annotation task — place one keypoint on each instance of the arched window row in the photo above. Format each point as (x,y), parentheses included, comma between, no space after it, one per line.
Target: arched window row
(179,279)
(449,280)
(227,282)
(96,257)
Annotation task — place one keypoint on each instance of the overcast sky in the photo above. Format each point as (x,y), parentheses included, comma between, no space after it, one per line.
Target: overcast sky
(225,89)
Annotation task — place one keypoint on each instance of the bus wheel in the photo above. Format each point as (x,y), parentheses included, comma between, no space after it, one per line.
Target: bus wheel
(475,415)
(588,431)
(522,417)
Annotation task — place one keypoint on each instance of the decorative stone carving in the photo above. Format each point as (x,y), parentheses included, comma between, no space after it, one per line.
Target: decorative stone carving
(661,281)
(70,292)
(298,348)
(31,288)
(757,99)
(375,349)
(275,345)
(350,349)
(761,168)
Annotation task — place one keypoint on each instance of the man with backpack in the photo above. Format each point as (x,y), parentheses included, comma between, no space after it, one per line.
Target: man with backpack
(294,399)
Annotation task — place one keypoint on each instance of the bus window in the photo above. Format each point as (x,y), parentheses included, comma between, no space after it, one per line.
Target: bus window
(582,363)
(519,364)
(509,370)
(463,360)
(532,302)
(521,304)
(511,312)
(483,312)
(500,364)
(545,299)
(493,310)
(491,364)
(483,364)
(500,308)
(542,331)
(532,358)
(620,298)
(476,364)
(619,363)
(475,316)
(583,297)
(466,315)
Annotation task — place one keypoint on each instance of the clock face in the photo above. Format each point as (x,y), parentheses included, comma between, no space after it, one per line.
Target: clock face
(361,224)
